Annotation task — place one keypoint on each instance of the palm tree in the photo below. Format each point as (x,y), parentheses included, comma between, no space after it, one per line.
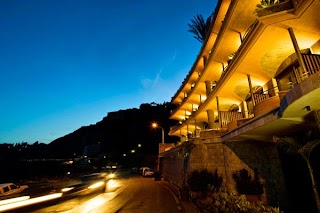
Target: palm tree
(292,146)
(199,27)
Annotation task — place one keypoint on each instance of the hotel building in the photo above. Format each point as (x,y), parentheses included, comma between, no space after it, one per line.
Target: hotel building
(254,81)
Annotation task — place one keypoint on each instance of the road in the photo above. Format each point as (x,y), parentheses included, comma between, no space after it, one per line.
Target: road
(144,195)
(133,193)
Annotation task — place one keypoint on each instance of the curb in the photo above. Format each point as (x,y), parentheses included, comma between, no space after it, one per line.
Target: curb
(185,206)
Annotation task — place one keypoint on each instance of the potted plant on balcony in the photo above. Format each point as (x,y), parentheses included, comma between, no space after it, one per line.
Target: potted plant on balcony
(252,188)
(231,56)
(268,3)
(267,7)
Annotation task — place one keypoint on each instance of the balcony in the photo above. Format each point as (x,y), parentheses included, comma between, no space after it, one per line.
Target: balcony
(266,105)
(288,112)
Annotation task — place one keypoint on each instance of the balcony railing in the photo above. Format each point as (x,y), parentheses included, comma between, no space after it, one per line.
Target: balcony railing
(312,63)
(260,97)
(227,117)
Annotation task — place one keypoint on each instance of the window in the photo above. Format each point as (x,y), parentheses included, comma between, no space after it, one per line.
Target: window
(13,187)
(6,189)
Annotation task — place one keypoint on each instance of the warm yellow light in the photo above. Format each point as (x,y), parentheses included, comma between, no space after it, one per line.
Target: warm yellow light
(154,125)
(67,189)
(112,175)
(13,200)
(28,202)
(96,185)
(91,204)
(112,184)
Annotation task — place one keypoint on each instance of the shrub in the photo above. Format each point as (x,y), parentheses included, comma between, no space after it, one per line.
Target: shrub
(245,184)
(204,181)
(222,202)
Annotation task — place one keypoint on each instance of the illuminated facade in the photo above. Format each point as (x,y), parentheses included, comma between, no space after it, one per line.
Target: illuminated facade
(256,74)
(256,79)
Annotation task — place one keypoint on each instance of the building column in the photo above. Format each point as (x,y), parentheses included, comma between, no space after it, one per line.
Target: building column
(187,139)
(205,59)
(219,114)
(244,109)
(275,87)
(196,131)
(297,50)
(210,114)
(251,91)
(208,87)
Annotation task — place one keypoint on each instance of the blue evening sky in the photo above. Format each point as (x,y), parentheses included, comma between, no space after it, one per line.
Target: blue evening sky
(67,63)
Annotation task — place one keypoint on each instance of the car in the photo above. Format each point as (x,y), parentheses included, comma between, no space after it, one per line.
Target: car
(11,188)
(88,184)
(143,169)
(148,173)
(135,170)
(109,173)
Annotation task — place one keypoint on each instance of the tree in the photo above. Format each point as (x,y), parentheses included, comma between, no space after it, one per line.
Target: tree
(199,27)
(294,146)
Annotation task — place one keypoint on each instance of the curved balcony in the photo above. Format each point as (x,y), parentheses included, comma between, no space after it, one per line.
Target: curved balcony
(266,106)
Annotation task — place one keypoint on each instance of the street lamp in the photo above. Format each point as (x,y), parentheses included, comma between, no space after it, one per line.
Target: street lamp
(155,125)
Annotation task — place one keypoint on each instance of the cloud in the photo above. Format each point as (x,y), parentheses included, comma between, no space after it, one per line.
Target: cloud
(148,83)
(173,58)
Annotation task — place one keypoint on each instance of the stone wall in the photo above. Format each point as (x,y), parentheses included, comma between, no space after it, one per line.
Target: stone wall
(227,158)
(171,166)
(258,155)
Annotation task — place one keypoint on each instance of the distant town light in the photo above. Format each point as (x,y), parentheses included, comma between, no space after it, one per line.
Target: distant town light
(124,155)
(133,151)
(139,145)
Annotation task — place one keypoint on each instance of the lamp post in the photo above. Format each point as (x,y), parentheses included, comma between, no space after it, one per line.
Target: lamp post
(155,125)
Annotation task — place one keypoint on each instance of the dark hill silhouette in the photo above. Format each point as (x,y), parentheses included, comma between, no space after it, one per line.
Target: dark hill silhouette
(104,142)
(118,133)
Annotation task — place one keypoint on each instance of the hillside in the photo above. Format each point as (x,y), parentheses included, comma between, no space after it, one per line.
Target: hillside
(118,133)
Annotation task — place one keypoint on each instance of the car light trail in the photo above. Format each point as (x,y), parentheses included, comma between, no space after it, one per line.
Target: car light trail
(23,203)
(13,200)
(96,185)
(67,189)
(112,175)
(112,184)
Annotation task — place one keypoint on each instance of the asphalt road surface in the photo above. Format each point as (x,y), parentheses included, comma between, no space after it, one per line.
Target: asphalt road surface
(134,194)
